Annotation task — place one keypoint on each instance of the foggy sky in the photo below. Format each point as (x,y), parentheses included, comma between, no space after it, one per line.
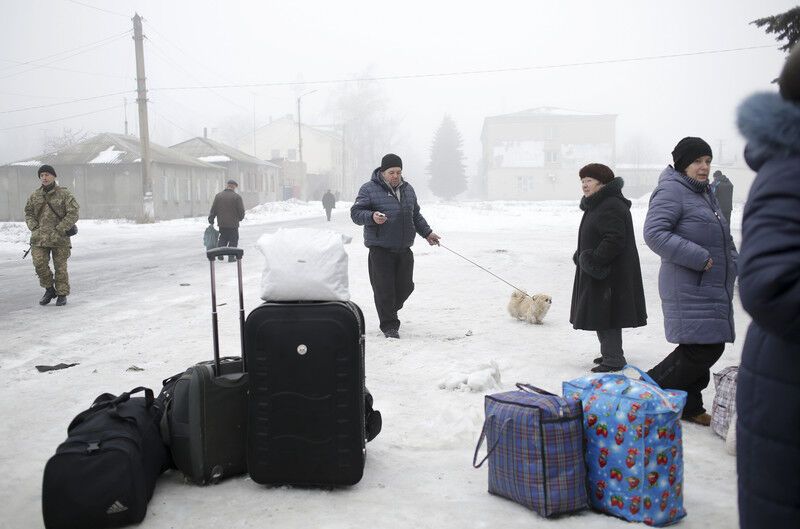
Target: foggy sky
(194,43)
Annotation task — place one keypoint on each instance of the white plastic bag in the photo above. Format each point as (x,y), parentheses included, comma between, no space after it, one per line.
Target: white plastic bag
(303,264)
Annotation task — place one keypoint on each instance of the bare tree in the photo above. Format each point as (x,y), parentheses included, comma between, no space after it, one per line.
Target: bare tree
(67,138)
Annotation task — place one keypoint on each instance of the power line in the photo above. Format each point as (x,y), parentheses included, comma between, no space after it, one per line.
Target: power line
(67,102)
(60,59)
(470,72)
(99,9)
(60,119)
(163,54)
(22,63)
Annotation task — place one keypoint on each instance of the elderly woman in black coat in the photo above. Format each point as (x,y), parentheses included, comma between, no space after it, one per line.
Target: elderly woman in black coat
(607,294)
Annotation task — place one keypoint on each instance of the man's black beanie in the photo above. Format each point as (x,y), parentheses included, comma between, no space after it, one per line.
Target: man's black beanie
(688,150)
(391,160)
(46,169)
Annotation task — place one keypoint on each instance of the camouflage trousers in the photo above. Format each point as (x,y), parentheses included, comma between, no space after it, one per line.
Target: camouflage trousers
(41,262)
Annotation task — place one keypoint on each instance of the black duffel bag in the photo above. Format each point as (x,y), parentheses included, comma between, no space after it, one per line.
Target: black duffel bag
(104,474)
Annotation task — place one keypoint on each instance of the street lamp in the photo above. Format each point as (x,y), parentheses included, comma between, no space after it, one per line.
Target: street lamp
(299,127)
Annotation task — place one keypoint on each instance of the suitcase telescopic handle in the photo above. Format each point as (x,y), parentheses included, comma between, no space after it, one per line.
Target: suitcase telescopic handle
(224,250)
(212,254)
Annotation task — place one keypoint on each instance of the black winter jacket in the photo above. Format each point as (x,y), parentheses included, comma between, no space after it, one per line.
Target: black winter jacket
(607,292)
(403,218)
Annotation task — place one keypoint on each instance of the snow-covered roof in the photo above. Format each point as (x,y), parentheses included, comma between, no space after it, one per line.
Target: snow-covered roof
(212,151)
(112,148)
(550,111)
(108,156)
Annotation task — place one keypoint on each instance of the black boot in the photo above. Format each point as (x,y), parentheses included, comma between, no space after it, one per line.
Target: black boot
(61,301)
(49,294)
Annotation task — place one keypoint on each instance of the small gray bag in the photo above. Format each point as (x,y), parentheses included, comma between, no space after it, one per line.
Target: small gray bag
(724,407)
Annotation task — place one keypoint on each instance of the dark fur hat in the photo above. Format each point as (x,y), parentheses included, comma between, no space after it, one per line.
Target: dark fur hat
(601,173)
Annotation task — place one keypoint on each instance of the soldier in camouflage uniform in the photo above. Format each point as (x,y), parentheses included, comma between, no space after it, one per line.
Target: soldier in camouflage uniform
(51,210)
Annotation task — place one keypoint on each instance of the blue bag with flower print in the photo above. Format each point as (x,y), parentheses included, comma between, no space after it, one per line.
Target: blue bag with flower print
(633,447)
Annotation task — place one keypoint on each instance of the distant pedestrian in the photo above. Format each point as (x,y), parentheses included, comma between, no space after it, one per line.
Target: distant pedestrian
(387,208)
(723,190)
(607,294)
(768,392)
(328,202)
(50,213)
(685,228)
(228,208)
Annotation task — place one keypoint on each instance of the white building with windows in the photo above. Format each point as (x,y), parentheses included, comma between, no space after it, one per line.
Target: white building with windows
(324,157)
(535,154)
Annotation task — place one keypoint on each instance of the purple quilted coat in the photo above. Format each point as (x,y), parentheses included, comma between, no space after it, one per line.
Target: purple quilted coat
(684,226)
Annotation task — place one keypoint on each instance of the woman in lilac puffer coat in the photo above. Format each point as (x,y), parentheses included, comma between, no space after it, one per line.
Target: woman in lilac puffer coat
(684,225)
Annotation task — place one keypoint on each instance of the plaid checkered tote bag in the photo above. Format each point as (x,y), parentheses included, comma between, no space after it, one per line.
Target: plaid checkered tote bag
(534,450)
(724,406)
(634,452)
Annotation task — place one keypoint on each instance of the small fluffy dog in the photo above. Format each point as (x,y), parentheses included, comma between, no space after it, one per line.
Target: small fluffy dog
(532,309)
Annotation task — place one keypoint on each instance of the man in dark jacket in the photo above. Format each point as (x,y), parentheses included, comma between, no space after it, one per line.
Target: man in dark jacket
(723,190)
(328,203)
(228,208)
(768,392)
(387,208)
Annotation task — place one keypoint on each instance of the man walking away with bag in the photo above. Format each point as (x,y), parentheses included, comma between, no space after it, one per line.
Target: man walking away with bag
(228,208)
(328,203)
(51,212)
(723,190)
(387,208)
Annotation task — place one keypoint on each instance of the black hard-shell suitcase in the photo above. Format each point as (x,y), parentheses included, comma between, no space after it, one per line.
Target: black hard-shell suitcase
(306,402)
(206,417)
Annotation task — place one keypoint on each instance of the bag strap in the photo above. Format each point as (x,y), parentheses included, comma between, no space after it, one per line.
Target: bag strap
(53,210)
(656,387)
(547,403)
(483,436)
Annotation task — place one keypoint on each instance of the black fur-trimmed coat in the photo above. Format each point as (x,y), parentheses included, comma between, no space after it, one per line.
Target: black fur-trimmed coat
(607,292)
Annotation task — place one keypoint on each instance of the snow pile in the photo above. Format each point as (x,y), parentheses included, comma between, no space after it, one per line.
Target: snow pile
(483,378)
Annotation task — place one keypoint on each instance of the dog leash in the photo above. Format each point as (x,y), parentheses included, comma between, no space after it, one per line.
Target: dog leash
(484,269)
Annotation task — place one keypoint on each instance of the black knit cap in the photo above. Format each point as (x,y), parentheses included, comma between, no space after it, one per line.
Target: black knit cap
(688,150)
(391,160)
(46,169)
(601,173)
(789,80)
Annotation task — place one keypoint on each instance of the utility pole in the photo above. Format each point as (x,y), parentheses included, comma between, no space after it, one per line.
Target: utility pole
(148,212)
(299,132)
(125,110)
(299,126)
(254,125)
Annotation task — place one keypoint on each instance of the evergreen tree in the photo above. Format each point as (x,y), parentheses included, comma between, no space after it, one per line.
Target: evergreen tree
(785,26)
(448,178)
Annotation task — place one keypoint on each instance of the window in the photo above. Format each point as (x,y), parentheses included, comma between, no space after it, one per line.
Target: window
(549,132)
(291,154)
(525,183)
(550,156)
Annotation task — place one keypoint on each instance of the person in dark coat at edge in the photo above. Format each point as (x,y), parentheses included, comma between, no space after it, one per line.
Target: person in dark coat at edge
(685,227)
(768,392)
(723,190)
(228,208)
(387,208)
(607,294)
(328,203)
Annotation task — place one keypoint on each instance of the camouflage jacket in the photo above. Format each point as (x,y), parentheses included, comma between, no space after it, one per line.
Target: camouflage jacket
(47,229)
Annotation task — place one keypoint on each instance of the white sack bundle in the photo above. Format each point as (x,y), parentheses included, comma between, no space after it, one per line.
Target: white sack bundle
(303,264)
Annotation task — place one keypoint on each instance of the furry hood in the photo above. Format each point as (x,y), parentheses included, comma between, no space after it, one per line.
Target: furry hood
(771,126)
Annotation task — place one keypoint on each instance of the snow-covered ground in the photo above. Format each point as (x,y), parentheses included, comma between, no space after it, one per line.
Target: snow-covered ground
(153,312)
